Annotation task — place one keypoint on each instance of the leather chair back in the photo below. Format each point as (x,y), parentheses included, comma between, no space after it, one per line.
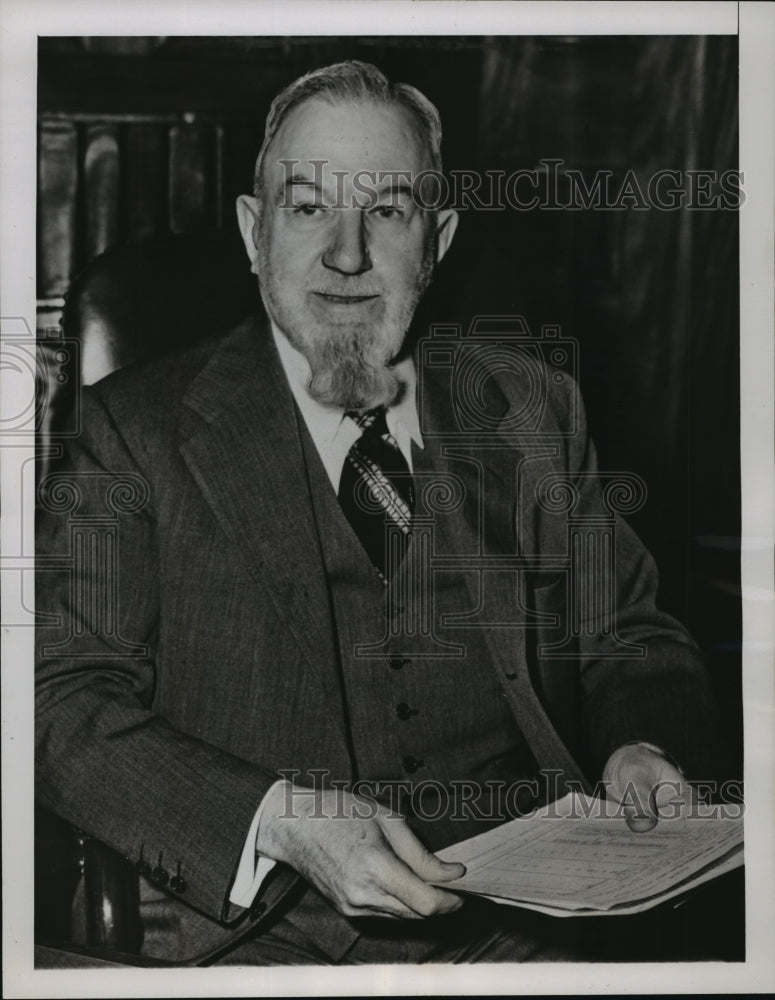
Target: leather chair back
(146,299)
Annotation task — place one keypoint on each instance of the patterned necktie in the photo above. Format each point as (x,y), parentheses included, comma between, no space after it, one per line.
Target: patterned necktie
(376,493)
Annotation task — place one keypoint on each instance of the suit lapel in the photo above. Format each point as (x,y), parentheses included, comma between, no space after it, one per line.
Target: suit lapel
(246,456)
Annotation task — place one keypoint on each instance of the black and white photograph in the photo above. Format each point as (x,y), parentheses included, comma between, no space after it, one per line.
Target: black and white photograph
(386,587)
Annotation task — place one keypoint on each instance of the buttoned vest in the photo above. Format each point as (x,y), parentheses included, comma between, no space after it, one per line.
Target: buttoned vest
(429,729)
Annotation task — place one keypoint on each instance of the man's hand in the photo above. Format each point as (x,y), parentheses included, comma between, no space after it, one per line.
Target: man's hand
(361,856)
(644,781)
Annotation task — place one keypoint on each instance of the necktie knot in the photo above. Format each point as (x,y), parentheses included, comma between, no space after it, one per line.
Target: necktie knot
(374,421)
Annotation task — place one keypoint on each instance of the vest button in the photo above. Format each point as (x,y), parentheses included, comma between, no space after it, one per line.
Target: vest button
(404,712)
(177,882)
(412,764)
(397,662)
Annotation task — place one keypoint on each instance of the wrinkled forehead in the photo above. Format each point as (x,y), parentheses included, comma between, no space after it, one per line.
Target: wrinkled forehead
(325,138)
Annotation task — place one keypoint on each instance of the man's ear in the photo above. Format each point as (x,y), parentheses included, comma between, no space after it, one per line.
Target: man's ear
(446,224)
(247,219)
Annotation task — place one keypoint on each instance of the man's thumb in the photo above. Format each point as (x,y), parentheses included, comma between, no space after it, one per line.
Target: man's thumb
(449,870)
(640,811)
(424,864)
(639,822)
(433,869)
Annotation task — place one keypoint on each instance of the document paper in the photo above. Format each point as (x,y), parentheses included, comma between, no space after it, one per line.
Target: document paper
(576,857)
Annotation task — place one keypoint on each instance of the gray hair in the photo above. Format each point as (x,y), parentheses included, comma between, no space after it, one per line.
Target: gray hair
(352,81)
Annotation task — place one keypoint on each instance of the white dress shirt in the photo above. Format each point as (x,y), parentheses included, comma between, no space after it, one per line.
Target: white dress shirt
(333,434)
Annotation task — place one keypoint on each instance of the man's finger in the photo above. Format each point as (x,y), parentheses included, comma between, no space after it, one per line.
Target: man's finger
(639,807)
(397,879)
(425,900)
(409,849)
(391,906)
(667,799)
(638,821)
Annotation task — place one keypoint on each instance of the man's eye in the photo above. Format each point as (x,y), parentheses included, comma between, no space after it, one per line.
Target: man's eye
(388,212)
(310,209)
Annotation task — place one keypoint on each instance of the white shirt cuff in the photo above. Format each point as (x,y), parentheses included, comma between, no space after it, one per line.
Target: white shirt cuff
(252,870)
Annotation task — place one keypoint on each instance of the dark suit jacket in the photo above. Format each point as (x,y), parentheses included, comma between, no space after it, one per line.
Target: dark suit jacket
(159,729)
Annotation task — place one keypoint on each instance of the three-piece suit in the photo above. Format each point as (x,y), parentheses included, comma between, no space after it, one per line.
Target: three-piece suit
(209,620)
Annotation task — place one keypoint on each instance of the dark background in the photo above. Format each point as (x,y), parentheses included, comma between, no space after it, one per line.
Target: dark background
(141,136)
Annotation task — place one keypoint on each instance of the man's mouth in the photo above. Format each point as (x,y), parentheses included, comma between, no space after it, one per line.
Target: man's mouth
(345,299)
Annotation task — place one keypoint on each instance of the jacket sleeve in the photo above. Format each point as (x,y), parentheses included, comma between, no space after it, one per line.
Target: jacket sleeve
(104,760)
(640,675)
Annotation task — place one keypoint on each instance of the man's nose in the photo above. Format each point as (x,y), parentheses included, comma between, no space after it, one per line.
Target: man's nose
(348,250)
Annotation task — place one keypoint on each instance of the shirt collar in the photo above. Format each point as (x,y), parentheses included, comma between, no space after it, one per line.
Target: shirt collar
(327,421)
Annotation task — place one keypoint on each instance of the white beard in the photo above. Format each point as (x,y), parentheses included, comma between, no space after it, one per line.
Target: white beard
(350,367)
(353,370)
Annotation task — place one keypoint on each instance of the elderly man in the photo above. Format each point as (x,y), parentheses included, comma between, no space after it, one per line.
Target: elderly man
(321,672)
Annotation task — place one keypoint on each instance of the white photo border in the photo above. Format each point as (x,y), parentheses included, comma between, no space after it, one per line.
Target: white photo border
(21,21)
